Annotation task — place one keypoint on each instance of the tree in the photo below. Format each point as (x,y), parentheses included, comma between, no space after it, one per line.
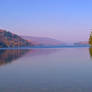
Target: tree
(90,39)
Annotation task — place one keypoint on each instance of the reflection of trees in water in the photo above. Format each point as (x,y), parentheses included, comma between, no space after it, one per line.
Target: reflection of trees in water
(90,52)
(7,56)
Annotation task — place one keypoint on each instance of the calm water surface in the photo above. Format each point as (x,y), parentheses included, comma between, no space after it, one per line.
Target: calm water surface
(46,70)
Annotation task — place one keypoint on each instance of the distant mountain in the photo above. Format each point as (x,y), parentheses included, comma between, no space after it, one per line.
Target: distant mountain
(43,41)
(8,39)
(82,43)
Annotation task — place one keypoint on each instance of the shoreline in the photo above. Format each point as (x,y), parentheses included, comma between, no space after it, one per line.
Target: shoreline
(46,47)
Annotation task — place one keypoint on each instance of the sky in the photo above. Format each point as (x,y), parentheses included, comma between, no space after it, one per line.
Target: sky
(65,20)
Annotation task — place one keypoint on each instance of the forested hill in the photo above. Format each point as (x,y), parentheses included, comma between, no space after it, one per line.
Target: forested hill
(8,39)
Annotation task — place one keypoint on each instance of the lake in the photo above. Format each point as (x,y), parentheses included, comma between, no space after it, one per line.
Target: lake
(46,70)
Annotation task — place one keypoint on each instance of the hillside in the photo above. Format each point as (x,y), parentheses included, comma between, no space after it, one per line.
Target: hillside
(43,41)
(8,39)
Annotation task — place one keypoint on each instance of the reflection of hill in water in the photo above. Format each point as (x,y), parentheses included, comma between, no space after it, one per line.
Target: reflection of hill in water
(90,52)
(7,56)
(38,52)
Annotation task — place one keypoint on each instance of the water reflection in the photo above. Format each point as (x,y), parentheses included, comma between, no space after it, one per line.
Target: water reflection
(90,52)
(47,70)
(7,56)
(38,52)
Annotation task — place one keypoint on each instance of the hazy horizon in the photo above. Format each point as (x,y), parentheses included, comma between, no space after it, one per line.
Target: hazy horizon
(63,20)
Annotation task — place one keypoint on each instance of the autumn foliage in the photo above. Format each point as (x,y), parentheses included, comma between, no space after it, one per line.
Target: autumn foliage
(8,39)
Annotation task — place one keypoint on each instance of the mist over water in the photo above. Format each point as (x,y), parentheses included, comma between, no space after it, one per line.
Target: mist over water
(46,70)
